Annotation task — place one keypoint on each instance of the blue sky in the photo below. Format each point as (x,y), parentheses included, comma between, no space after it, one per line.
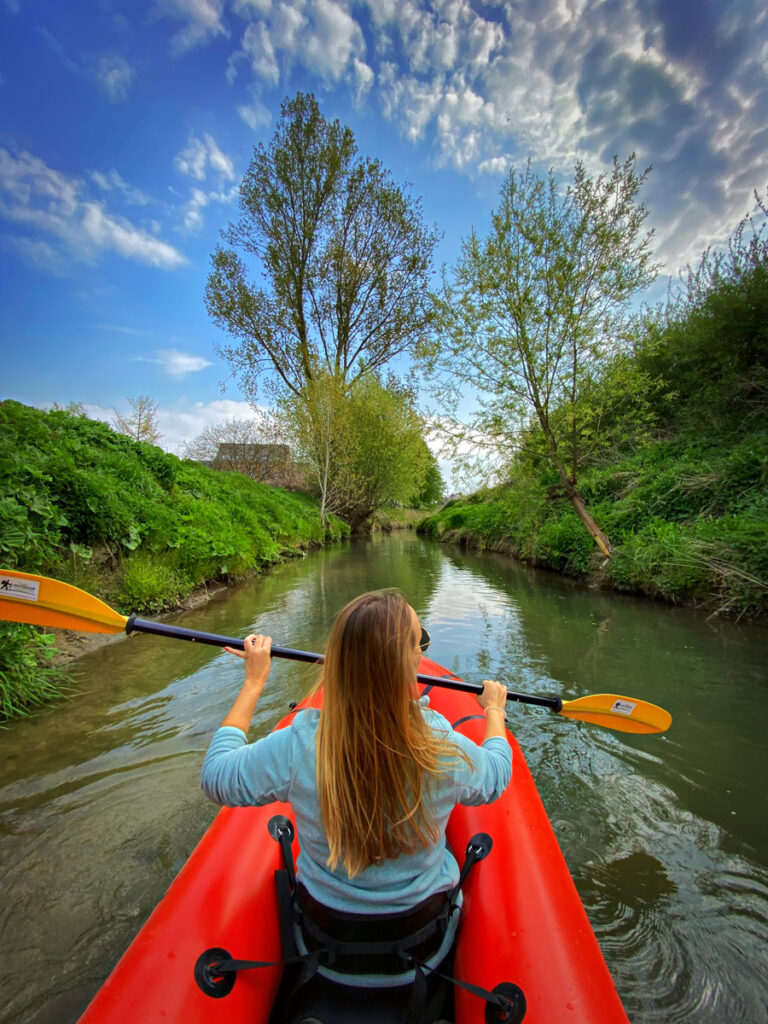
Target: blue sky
(126,125)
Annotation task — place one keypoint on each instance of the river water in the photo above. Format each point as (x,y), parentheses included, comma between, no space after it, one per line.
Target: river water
(666,836)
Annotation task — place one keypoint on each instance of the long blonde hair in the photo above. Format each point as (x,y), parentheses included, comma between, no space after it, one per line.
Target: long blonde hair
(375,752)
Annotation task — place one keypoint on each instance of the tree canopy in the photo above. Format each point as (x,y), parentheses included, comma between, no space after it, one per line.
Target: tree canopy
(532,310)
(362,446)
(343,253)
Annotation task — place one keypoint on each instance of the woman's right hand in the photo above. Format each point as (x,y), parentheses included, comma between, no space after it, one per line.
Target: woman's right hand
(256,655)
(494,694)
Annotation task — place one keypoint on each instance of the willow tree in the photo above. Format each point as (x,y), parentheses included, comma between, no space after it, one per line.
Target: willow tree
(531,312)
(363,446)
(343,255)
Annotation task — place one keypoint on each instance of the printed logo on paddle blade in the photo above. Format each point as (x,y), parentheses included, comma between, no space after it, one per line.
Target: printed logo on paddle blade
(22,590)
(623,707)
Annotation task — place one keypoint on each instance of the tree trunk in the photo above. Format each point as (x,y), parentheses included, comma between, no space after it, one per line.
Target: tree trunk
(581,511)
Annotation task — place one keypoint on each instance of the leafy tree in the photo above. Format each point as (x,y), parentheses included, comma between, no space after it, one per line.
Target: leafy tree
(319,425)
(534,309)
(343,253)
(363,447)
(433,488)
(140,422)
(388,458)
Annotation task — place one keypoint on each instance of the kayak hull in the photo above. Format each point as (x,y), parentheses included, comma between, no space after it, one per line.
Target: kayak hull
(522,920)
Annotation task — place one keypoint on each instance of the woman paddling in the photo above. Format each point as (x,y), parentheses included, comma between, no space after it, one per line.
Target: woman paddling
(372,779)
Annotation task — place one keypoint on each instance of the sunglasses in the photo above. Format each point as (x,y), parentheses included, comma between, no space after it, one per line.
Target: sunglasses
(426,639)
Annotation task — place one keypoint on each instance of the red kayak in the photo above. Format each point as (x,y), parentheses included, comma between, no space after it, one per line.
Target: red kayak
(522,920)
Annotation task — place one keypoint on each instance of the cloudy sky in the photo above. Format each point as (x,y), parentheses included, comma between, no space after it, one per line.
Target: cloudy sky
(126,125)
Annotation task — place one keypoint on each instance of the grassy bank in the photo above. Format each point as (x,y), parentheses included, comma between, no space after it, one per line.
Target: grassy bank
(679,479)
(688,521)
(125,521)
(387,519)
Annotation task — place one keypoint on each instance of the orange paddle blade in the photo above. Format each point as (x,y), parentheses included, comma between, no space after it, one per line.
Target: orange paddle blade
(40,601)
(624,714)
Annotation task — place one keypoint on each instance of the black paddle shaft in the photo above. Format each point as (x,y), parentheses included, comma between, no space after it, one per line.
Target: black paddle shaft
(134,625)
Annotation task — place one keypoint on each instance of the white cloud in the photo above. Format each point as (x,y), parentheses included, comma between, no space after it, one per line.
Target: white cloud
(332,42)
(319,34)
(495,165)
(175,362)
(193,217)
(219,161)
(255,114)
(203,21)
(362,76)
(113,181)
(247,7)
(288,24)
(105,231)
(257,47)
(115,76)
(43,199)
(192,160)
(133,331)
(183,421)
(199,156)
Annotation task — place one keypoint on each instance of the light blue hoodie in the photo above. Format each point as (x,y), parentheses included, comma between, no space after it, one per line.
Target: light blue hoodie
(281,766)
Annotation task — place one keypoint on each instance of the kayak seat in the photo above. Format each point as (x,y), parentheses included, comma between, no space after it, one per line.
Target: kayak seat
(358,945)
(322,1001)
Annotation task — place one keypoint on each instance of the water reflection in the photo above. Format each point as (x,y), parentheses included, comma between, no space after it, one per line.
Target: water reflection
(666,836)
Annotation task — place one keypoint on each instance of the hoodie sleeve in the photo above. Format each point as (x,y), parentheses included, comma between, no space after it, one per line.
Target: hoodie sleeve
(236,773)
(489,772)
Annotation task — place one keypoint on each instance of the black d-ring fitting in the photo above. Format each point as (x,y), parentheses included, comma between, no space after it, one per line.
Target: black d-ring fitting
(208,976)
(278,825)
(513,1010)
(282,831)
(479,846)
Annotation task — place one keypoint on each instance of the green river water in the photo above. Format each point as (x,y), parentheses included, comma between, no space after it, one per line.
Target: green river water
(666,836)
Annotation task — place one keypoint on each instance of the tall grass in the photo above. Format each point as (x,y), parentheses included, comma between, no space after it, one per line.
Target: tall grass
(126,521)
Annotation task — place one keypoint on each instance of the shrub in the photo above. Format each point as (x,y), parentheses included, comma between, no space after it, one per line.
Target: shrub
(28,678)
(148,583)
(80,501)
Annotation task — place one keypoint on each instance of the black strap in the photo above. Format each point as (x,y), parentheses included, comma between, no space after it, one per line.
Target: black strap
(285,900)
(400,947)
(476,990)
(466,718)
(233,966)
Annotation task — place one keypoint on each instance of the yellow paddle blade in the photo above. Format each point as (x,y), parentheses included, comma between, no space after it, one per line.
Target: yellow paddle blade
(624,714)
(41,601)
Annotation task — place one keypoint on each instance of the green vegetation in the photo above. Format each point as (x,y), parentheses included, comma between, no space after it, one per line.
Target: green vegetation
(128,522)
(362,446)
(28,680)
(343,261)
(392,517)
(530,318)
(678,476)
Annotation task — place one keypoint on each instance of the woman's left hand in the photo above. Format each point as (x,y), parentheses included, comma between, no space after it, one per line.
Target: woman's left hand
(256,657)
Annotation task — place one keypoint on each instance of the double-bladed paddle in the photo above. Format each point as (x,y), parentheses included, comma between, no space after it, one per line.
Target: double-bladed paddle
(41,601)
